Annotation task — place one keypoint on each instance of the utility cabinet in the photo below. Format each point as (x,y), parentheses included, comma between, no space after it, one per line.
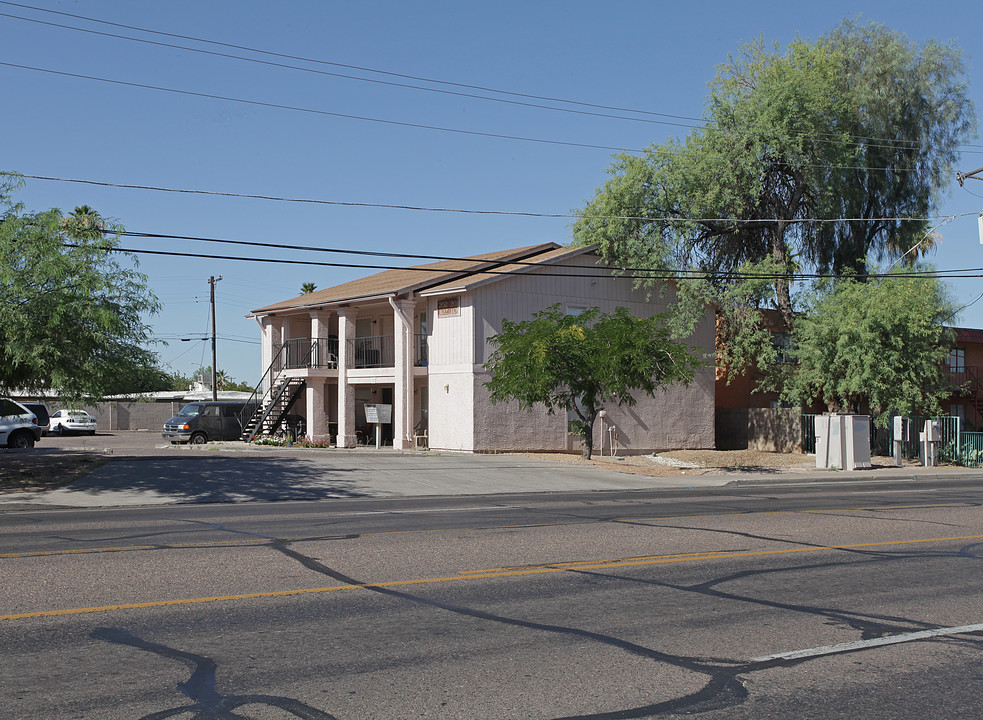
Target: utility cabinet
(842,441)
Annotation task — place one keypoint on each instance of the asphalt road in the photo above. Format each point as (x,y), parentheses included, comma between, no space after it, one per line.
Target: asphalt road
(602,605)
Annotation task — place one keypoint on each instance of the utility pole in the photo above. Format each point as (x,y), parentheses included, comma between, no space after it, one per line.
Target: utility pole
(972,175)
(211,282)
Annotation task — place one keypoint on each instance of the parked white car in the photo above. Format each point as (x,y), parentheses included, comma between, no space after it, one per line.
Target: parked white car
(72,421)
(18,425)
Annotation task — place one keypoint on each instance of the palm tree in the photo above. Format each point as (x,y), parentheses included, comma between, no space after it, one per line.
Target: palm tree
(307,288)
(84,224)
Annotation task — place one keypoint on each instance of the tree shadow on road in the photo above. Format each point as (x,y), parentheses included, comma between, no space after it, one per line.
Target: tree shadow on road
(219,479)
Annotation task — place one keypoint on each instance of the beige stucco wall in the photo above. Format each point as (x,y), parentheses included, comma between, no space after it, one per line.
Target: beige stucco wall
(680,417)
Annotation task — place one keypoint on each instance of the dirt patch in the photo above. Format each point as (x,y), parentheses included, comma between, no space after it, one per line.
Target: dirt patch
(676,463)
(20,471)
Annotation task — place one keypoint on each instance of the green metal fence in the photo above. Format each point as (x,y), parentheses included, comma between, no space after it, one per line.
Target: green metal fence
(949,433)
(951,447)
(971,449)
(877,436)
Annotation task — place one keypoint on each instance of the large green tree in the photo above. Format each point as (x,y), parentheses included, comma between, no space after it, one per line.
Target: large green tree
(879,345)
(72,308)
(579,363)
(824,155)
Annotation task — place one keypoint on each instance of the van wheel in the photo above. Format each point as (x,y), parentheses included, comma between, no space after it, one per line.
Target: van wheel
(198,439)
(21,441)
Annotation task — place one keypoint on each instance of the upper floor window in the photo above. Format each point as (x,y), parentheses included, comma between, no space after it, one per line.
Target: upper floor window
(957,360)
(785,347)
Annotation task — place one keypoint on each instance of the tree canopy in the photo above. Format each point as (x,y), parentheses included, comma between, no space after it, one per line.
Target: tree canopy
(71,307)
(580,362)
(814,156)
(880,344)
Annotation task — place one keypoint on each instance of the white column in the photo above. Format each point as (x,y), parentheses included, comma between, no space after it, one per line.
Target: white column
(319,332)
(346,393)
(403,392)
(317,419)
(272,336)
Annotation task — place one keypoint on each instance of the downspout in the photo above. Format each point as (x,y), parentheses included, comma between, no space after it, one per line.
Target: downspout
(407,380)
(395,307)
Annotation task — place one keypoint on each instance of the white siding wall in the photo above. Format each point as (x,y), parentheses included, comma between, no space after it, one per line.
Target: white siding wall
(450,381)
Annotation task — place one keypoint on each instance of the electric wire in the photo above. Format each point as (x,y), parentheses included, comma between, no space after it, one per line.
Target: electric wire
(643,274)
(375,253)
(360,79)
(312,111)
(701,122)
(422,208)
(353,67)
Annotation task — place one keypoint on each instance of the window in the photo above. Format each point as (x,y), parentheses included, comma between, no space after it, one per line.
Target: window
(8,407)
(785,346)
(957,360)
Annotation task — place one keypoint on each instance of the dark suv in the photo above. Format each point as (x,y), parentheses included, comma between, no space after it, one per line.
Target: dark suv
(199,422)
(41,410)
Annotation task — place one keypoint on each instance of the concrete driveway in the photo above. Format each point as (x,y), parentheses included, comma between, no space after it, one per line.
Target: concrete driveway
(144,471)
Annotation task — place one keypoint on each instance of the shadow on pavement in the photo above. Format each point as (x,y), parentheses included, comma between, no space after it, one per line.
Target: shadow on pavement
(219,479)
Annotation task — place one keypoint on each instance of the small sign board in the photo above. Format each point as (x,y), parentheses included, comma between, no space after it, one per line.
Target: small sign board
(377,413)
(449,307)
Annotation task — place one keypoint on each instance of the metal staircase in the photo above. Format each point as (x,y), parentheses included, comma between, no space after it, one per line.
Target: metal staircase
(284,391)
(268,417)
(967,386)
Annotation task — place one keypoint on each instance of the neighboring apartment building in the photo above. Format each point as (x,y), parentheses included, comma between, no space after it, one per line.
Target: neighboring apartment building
(416,339)
(740,420)
(965,366)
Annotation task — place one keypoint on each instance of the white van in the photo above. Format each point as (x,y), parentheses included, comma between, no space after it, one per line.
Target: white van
(18,425)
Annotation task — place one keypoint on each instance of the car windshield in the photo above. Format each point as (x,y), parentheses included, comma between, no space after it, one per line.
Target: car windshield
(191,409)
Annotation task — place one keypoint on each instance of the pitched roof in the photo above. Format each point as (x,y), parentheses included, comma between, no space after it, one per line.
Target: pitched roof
(968,335)
(469,282)
(404,280)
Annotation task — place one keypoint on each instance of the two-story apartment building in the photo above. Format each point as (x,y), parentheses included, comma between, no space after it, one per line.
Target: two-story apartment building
(416,339)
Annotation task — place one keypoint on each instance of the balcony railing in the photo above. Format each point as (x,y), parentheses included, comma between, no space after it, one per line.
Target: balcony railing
(374,351)
(307,353)
(965,379)
(363,352)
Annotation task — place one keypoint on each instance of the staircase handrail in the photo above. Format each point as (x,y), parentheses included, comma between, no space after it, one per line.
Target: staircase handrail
(274,371)
(267,408)
(256,397)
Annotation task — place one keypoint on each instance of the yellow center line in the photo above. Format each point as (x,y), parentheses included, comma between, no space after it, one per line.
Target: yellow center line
(314,538)
(482,575)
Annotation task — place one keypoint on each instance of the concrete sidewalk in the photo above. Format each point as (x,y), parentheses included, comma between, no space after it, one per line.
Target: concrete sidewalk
(245,476)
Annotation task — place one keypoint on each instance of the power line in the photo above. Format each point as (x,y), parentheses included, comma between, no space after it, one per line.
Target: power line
(635,273)
(354,67)
(421,208)
(388,83)
(424,126)
(701,122)
(341,251)
(312,111)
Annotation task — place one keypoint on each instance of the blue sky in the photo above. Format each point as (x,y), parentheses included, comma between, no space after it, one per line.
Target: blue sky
(653,56)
